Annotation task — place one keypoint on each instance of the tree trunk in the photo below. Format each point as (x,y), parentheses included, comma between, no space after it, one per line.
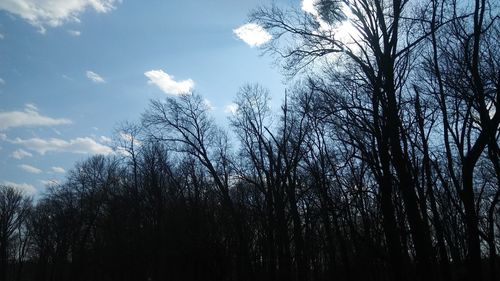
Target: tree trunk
(471,221)
(3,259)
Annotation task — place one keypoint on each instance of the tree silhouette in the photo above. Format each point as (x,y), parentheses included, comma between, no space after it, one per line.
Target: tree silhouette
(382,163)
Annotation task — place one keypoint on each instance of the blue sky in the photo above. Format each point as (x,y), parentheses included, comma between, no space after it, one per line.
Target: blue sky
(71,70)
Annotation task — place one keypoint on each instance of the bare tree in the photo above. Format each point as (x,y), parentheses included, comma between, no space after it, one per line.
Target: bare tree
(14,210)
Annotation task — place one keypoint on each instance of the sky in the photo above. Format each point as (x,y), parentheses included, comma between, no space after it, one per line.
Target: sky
(72,70)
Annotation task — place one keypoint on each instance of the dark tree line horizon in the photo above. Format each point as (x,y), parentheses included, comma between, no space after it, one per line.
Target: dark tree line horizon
(382,163)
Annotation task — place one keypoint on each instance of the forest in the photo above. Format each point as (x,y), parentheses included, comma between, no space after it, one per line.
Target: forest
(382,163)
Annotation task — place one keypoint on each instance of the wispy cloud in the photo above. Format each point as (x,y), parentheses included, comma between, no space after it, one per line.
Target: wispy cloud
(67,77)
(129,138)
(20,154)
(105,139)
(208,104)
(253,34)
(30,169)
(58,170)
(231,108)
(42,14)
(75,33)
(2,81)
(343,30)
(94,77)
(2,36)
(167,84)
(83,145)
(27,189)
(31,106)
(28,117)
(51,182)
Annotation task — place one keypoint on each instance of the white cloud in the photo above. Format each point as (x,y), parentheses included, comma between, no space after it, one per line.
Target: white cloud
(52,13)
(126,137)
(59,170)
(105,139)
(129,138)
(253,34)
(67,77)
(28,117)
(84,145)
(208,104)
(94,77)
(308,7)
(30,169)
(57,132)
(167,84)
(31,106)
(120,150)
(231,108)
(2,36)
(20,154)
(27,189)
(2,81)
(3,136)
(343,31)
(50,182)
(75,33)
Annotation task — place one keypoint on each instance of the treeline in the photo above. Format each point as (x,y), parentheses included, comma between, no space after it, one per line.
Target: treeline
(383,163)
